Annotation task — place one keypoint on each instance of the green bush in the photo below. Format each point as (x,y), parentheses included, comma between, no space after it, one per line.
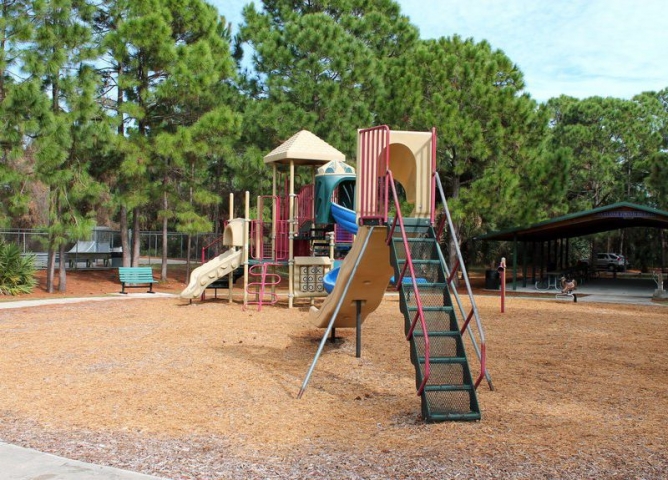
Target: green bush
(17,273)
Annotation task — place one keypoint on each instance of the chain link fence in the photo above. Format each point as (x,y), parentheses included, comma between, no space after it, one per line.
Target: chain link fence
(35,242)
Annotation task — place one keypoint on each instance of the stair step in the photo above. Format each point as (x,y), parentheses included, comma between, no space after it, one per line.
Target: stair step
(437,319)
(443,333)
(451,403)
(444,360)
(445,417)
(411,224)
(423,285)
(448,388)
(414,239)
(440,308)
(417,261)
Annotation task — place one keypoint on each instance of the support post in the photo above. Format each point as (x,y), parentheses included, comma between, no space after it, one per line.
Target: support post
(358,329)
(291,236)
(246,244)
(502,275)
(230,277)
(330,326)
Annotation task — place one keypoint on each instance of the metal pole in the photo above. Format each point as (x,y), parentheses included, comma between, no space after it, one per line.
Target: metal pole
(330,326)
(358,327)
(230,277)
(502,274)
(291,237)
(246,244)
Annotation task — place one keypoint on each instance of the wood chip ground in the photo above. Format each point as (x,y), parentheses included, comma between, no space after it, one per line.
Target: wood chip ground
(208,391)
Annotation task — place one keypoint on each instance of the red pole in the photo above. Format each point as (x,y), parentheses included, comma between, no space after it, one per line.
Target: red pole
(502,274)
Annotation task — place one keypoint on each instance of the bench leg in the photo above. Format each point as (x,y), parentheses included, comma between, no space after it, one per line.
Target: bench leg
(123,289)
(150,288)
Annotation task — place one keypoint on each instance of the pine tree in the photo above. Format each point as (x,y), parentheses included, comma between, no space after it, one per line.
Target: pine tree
(60,58)
(318,66)
(489,131)
(21,107)
(165,60)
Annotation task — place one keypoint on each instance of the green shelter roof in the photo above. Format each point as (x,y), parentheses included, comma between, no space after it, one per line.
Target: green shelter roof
(601,219)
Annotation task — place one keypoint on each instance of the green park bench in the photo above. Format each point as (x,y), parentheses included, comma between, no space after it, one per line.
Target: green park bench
(136,277)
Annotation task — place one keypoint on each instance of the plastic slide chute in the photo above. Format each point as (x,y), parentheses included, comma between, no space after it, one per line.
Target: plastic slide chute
(330,277)
(363,276)
(345,218)
(206,274)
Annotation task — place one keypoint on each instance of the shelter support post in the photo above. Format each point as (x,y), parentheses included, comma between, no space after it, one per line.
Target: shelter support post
(525,270)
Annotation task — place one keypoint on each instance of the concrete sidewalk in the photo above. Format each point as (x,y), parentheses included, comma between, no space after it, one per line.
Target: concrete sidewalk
(17,463)
(59,301)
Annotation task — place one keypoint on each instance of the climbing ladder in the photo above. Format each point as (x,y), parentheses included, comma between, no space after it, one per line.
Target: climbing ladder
(442,374)
(263,290)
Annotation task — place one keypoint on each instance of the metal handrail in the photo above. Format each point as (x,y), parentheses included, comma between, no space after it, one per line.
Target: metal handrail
(332,319)
(481,350)
(409,262)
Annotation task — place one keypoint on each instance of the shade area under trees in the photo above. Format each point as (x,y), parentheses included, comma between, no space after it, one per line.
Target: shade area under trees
(147,114)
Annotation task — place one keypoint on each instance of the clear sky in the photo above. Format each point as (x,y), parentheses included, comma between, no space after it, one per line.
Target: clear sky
(581,48)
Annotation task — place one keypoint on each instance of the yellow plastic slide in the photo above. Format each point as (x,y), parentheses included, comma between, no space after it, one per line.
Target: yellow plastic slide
(206,274)
(368,285)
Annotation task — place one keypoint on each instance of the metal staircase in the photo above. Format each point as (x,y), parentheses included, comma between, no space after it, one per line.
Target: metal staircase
(442,374)
(428,295)
(427,284)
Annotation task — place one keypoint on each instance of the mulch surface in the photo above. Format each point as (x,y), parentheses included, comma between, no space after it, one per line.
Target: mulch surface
(208,390)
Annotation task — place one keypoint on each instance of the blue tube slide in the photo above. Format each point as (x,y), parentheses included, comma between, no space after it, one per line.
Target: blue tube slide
(345,218)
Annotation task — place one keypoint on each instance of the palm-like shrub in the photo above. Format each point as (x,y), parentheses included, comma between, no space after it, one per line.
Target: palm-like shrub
(17,273)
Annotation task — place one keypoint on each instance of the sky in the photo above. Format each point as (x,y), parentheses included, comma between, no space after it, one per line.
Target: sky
(580,48)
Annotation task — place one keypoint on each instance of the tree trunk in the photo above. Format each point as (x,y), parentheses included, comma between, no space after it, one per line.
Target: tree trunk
(453,236)
(125,244)
(62,272)
(135,237)
(50,265)
(163,271)
(188,248)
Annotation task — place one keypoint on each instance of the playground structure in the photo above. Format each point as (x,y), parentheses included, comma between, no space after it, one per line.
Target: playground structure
(306,230)
(285,232)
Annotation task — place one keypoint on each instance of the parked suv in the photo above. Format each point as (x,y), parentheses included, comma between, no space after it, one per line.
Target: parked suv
(610,261)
